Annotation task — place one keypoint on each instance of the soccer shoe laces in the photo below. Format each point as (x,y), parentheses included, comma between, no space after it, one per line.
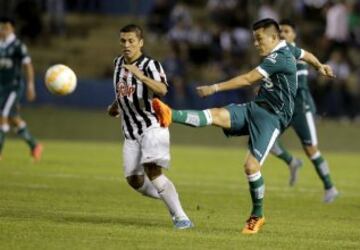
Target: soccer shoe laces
(251,222)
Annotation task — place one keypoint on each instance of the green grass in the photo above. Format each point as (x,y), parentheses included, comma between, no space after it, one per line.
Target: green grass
(76,198)
(75,124)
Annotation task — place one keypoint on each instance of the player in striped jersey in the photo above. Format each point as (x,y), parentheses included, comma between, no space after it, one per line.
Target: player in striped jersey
(14,57)
(304,125)
(137,79)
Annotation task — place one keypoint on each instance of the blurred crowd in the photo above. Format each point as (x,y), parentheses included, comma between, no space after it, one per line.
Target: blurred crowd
(217,44)
(211,40)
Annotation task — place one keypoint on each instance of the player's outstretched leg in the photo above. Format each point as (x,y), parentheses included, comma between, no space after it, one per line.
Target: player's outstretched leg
(168,194)
(193,118)
(293,163)
(257,190)
(323,171)
(22,130)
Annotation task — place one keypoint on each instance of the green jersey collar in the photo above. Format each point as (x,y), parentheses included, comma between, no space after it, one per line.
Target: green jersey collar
(280,45)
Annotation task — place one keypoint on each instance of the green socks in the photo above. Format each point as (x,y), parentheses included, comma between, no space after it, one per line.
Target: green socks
(193,118)
(322,169)
(257,190)
(281,152)
(25,134)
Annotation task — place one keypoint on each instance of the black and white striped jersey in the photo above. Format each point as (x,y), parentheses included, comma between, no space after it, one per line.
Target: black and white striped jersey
(134,98)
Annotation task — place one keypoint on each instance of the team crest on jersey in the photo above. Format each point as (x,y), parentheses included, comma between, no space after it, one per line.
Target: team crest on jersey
(272,57)
(124,90)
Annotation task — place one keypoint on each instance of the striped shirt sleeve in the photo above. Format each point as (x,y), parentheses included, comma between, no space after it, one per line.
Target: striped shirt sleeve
(156,72)
(23,54)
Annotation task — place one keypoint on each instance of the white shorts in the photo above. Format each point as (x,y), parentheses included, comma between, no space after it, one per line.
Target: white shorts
(152,147)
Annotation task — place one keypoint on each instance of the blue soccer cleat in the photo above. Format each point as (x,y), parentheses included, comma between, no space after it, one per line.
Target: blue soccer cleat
(183,224)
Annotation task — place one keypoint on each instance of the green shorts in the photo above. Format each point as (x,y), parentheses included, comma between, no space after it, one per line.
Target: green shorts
(303,118)
(262,127)
(10,101)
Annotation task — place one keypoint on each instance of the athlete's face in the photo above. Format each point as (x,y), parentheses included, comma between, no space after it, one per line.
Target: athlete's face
(5,30)
(287,33)
(131,45)
(265,40)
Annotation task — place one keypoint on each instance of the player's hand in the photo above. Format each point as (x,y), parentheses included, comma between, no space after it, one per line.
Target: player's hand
(113,110)
(134,70)
(326,70)
(204,91)
(30,93)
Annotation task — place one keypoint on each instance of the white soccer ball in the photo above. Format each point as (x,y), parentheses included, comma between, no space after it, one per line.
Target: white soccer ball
(60,79)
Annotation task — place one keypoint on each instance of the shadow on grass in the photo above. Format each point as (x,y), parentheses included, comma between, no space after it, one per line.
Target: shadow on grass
(61,217)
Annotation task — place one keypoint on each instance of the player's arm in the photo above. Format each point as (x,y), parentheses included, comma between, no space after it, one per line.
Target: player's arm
(29,77)
(323,69)
(113,109)
(235,83)
(158,87)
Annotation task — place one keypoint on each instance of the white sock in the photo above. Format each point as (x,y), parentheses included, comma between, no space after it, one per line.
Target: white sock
(148,189)
(170,197)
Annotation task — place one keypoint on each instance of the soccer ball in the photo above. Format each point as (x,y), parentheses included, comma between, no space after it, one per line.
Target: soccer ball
(60,79)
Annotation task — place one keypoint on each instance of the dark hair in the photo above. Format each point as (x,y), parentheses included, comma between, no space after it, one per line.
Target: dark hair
(288,22)
(266,23)
(5,19)
(133,28)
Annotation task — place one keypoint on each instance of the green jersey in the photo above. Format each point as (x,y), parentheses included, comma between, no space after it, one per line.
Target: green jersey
(279,85)
(302,70)
(13,54)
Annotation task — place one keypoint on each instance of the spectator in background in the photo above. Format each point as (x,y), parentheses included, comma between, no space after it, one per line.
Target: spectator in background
(267,10)
(178,38)
(335,89)
(235,41)
(175,69)
(337,27)
(56,11)
(181,13)
(352,96)
(158,20)
(222,11)
(312,9)
(199,40)
(354,23)
(28,15)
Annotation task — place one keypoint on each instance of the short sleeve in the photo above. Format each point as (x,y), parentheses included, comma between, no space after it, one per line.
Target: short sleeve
(297,52)
(23,54)
(270,65)
(156,72)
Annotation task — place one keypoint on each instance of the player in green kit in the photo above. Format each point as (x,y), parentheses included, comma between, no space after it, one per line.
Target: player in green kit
(13,58)
(262,119)
(304,125)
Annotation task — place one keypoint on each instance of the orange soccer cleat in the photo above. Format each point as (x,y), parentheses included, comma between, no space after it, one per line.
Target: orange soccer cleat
(36,152)
(163,112)
(253,225)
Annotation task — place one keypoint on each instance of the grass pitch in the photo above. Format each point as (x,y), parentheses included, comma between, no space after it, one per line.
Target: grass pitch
(76,198)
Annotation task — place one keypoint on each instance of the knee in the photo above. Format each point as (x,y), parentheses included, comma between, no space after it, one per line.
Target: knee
(17,122)
(135,181)
(220,117)
(152,170)
(310,150)
(251,166)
